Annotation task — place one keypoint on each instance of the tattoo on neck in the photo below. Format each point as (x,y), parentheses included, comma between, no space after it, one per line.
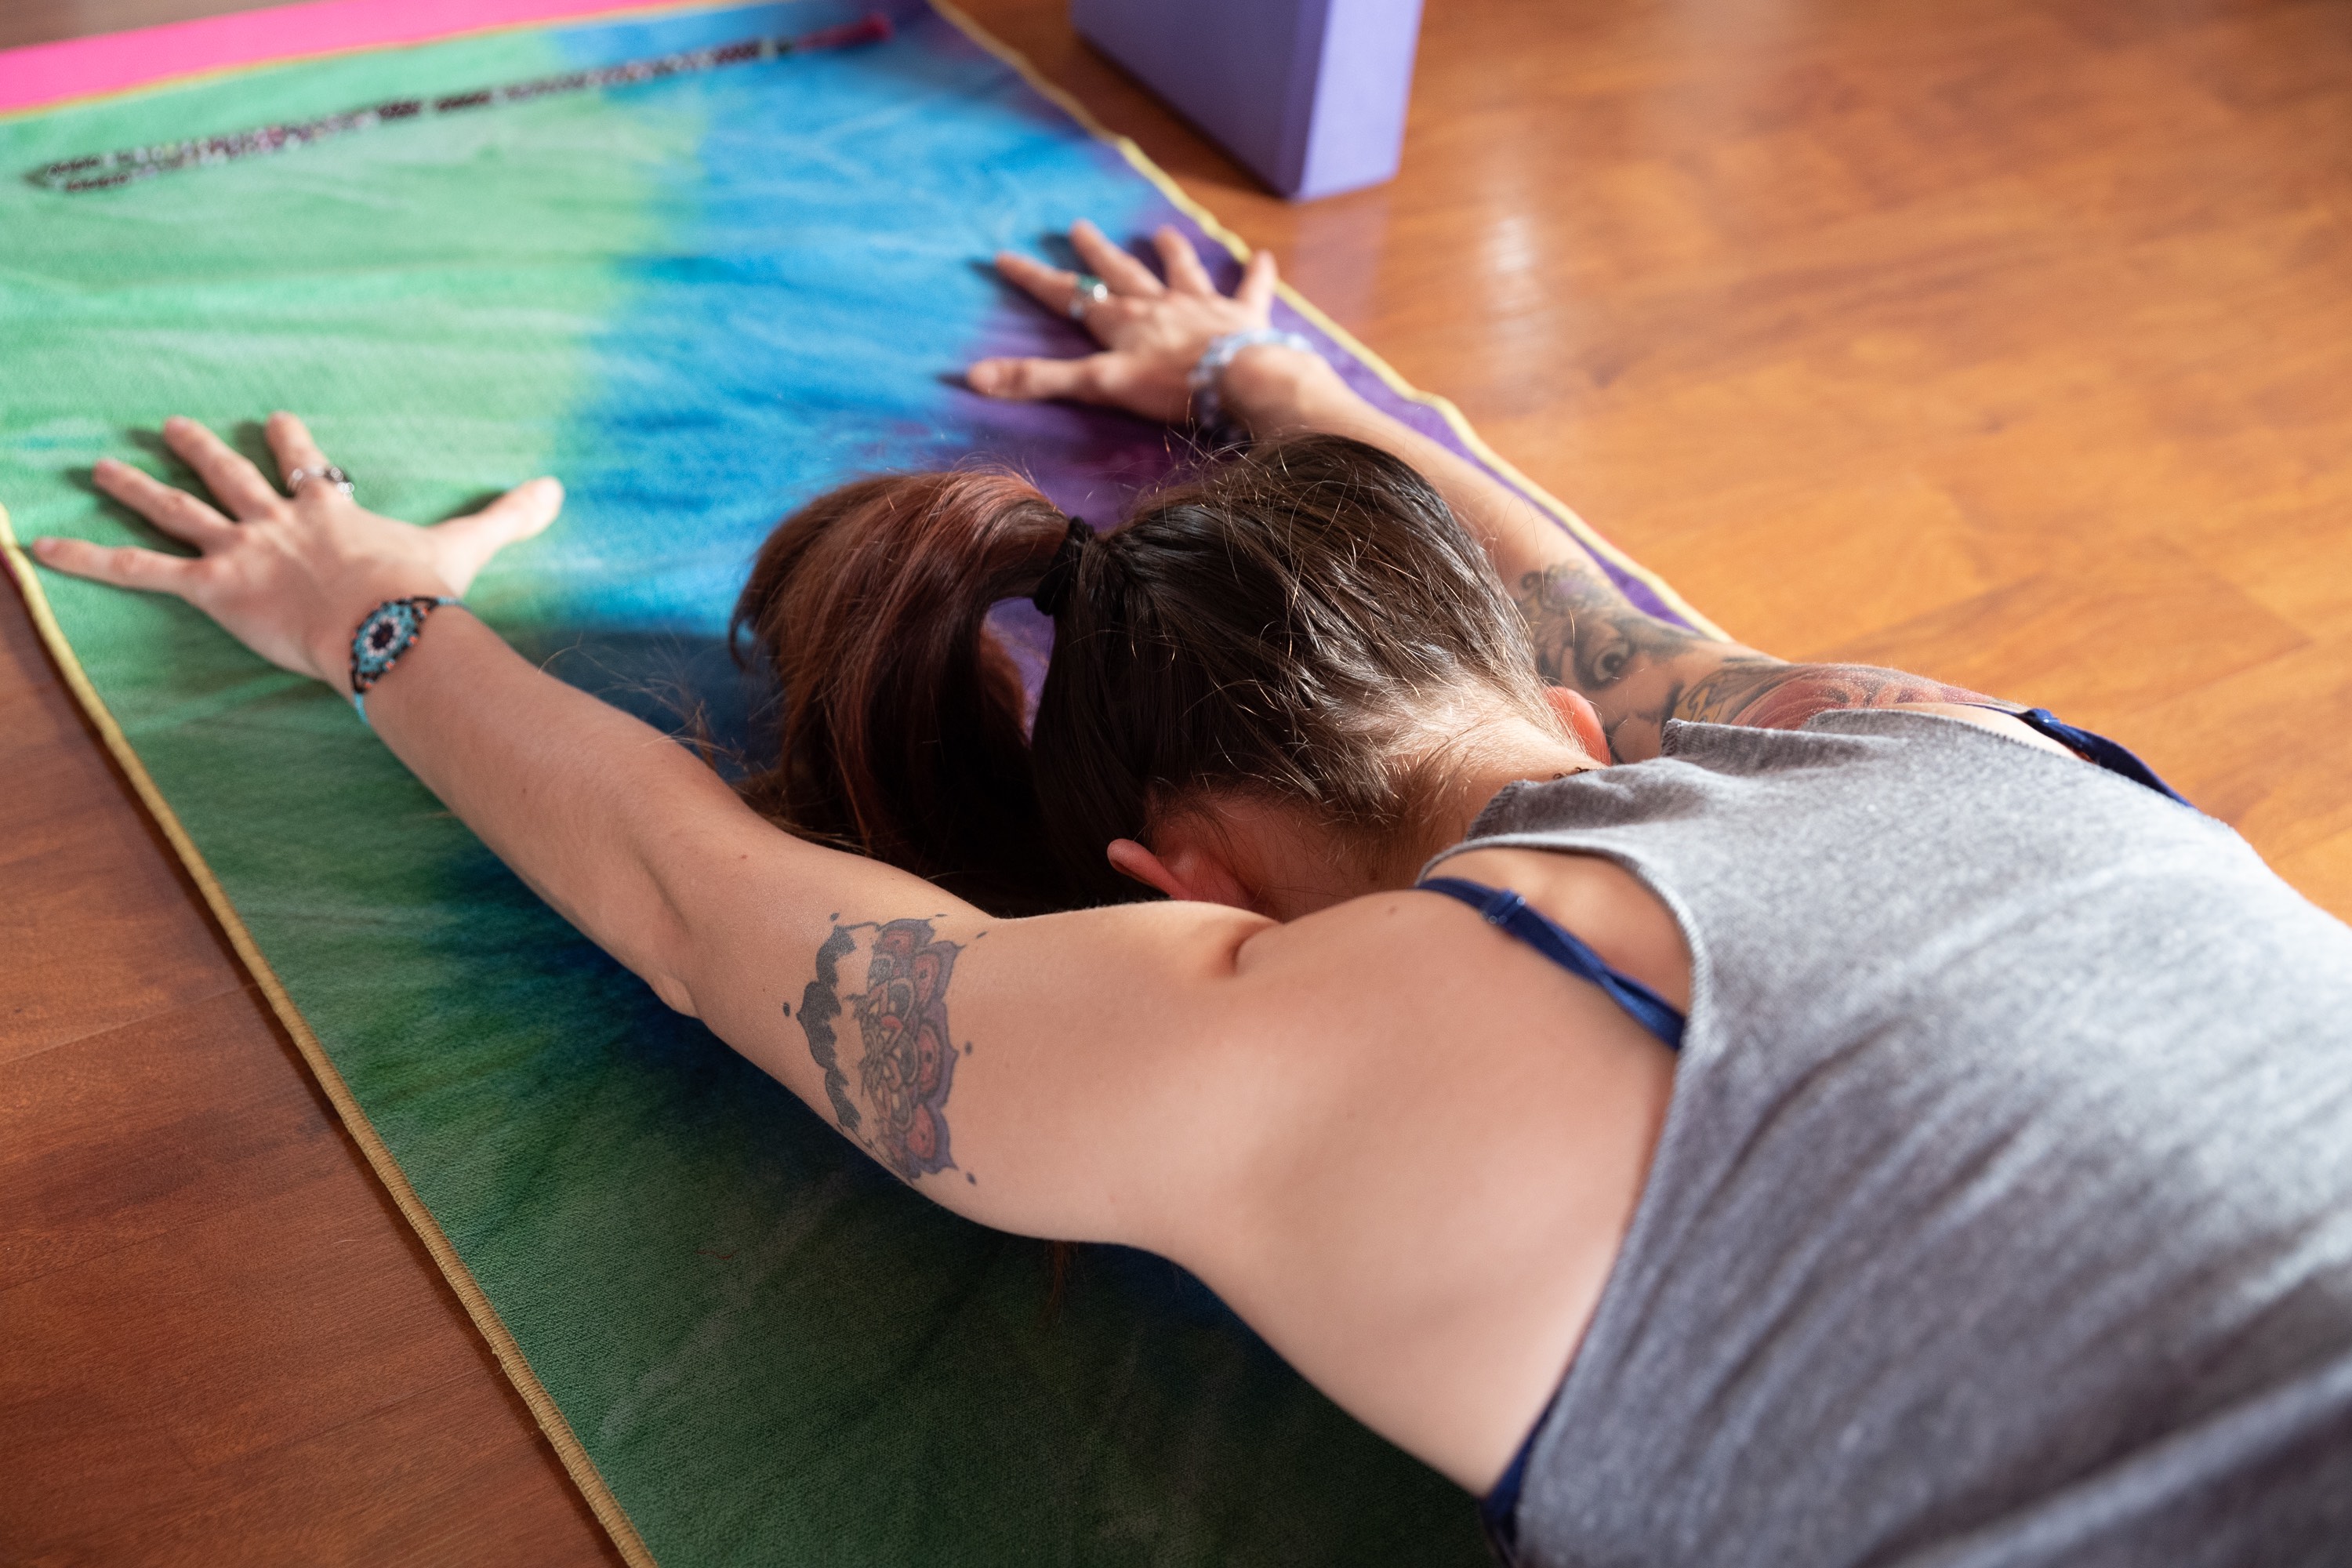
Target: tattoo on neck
(896,1105)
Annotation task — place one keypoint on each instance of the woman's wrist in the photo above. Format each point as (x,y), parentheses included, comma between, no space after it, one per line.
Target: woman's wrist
(1276,391)
(347,605)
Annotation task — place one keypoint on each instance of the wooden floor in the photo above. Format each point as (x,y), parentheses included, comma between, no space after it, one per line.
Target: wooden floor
(2009,341)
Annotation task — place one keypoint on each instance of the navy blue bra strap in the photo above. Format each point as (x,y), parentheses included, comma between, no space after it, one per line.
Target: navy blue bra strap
(1504,908)
(2092,747)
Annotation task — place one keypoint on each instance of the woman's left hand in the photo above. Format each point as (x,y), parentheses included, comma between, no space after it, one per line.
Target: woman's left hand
(1152,332)
(291,577)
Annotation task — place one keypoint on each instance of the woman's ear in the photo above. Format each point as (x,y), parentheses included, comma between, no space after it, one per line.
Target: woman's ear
(1189,872)
(1137,864)
(1582,718)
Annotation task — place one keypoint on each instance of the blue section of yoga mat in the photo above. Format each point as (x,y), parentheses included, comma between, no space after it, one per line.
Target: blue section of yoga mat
(701,301)
(806,322)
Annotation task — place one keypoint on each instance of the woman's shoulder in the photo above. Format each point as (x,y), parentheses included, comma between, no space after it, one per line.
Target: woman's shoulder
(1443,1139)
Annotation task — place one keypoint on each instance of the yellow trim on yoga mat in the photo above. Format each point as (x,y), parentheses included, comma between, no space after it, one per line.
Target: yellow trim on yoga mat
(1578,529)
(584,1471)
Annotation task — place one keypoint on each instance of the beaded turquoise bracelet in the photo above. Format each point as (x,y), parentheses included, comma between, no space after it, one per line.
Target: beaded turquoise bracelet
(389,631)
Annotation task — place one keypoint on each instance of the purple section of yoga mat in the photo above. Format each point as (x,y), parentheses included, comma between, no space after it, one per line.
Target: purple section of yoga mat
(1310,94)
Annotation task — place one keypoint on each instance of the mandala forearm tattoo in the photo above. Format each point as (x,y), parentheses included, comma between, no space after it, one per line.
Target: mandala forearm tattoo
(1640,671)
(896,1104)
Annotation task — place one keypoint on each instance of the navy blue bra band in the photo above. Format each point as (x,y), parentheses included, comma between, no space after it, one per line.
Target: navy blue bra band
(1498,1510)
(1504,908)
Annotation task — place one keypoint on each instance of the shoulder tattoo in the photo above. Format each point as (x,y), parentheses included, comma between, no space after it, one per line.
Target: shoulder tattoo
(893,1097)
(1768,695)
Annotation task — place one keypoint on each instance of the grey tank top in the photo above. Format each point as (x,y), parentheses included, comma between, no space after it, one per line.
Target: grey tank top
(2003,1208)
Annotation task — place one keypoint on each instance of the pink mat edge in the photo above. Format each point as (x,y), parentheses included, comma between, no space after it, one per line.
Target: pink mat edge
(42,76)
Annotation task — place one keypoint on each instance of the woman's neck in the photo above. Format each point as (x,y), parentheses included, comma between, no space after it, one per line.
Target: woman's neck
(1277,860)
(1510,752)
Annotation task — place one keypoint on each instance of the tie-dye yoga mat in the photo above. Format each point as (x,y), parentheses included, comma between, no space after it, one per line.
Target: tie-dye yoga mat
(701,297)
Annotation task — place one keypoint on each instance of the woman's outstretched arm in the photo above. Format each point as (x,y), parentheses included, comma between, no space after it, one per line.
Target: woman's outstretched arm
(862,988)
(1637,669)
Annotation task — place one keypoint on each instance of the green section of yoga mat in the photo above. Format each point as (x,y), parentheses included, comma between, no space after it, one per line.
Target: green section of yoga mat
(771,1352)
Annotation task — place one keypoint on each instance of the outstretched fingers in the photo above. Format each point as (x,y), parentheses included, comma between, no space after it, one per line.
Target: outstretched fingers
(1259,282)
(291,444)
(123,566)
(174,512)
(1185,273)
(1033,380)
(235,482)
(1049,286)
(466,543)
(1115,266)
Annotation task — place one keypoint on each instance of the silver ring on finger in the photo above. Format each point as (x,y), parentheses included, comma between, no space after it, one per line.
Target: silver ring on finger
(1086,292)
(325,471)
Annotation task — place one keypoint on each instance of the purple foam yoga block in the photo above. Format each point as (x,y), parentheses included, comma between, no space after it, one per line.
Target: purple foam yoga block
(1309,93)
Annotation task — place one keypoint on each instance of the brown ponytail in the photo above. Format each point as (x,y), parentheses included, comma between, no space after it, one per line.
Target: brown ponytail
(902,729)
(1299,624)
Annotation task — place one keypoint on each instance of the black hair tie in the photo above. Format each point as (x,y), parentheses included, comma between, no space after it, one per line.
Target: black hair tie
(1061,573)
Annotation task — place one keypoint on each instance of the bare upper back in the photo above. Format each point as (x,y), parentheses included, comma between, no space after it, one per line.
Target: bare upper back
(1464,1130)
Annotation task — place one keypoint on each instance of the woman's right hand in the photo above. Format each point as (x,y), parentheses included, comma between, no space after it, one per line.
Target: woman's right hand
(291,577)
(1152,332)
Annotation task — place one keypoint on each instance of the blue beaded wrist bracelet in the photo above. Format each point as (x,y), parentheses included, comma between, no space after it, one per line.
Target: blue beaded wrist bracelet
(388,632)
(1207,374)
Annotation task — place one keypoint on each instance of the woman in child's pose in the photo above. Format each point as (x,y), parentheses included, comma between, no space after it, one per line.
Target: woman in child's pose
(1881,1136)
